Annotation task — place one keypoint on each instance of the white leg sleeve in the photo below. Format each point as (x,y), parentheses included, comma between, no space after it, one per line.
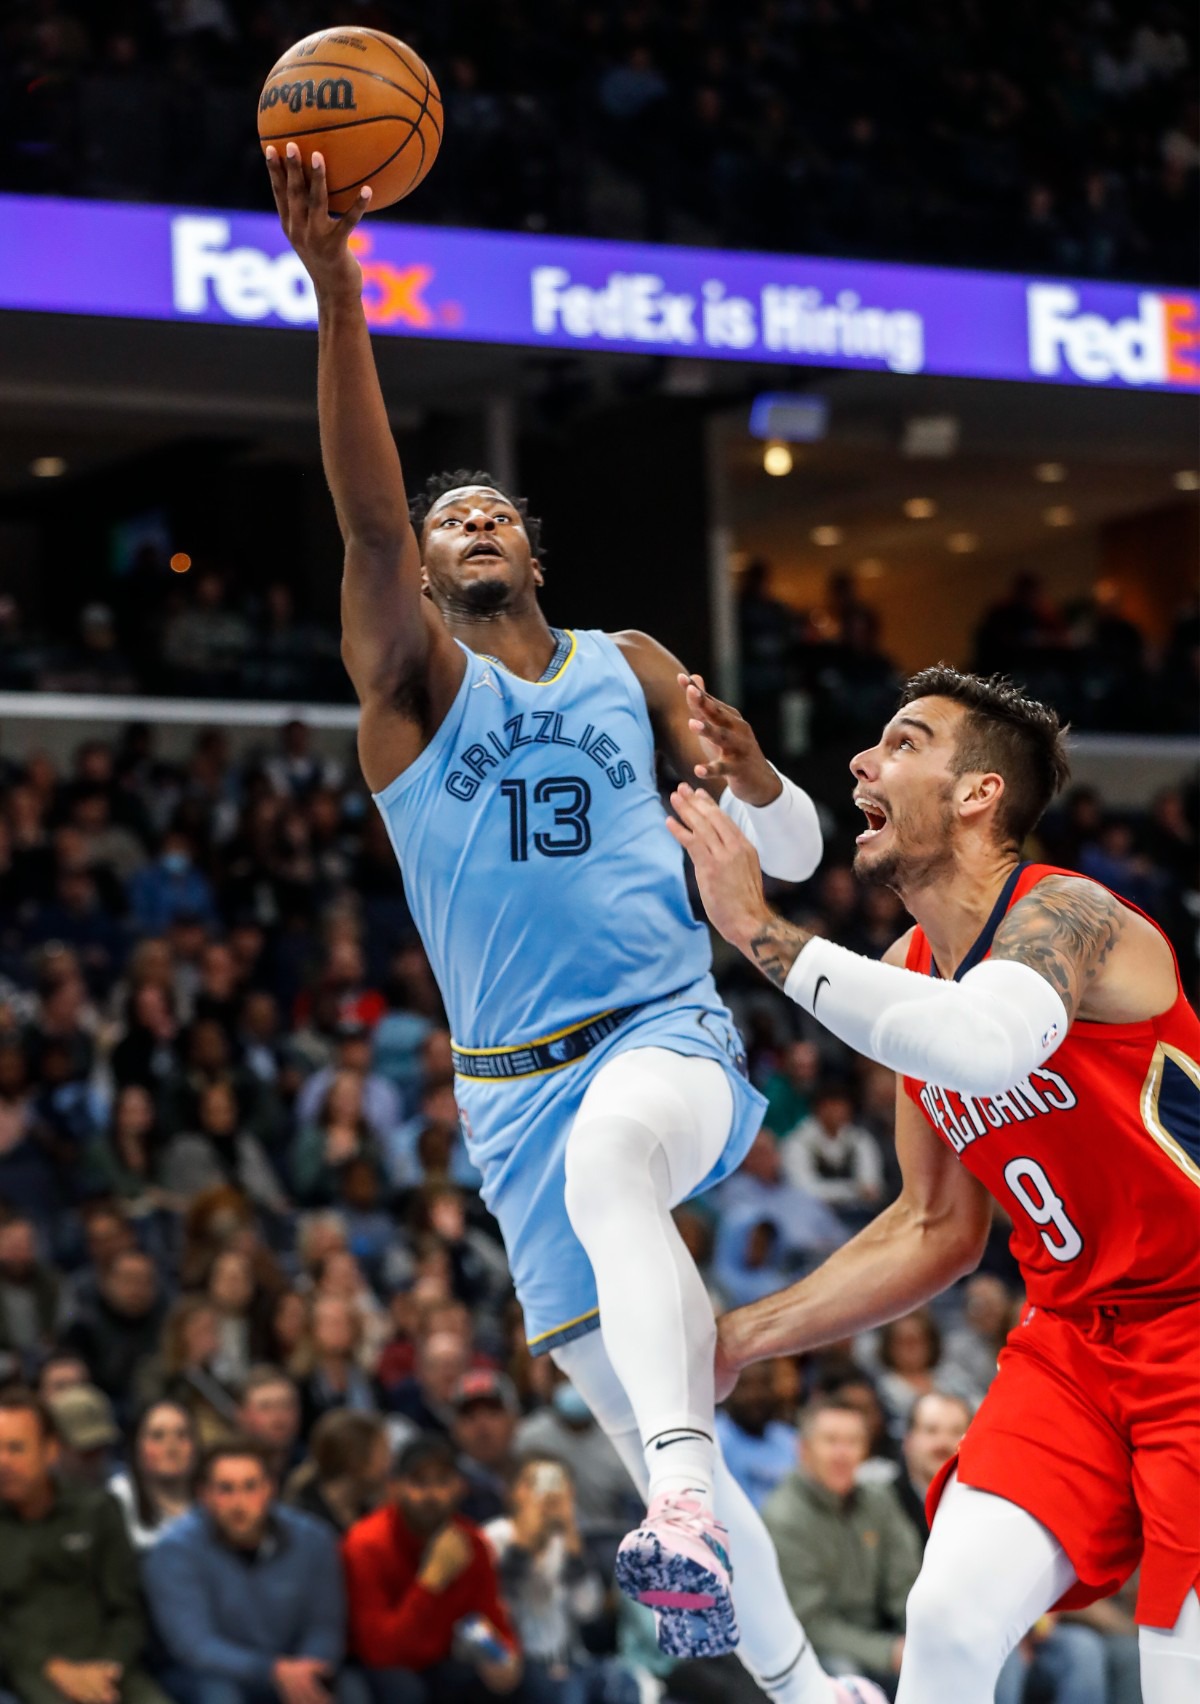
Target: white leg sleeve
(990,1571)
(1171,1658)
(651,1127)
(773,1645)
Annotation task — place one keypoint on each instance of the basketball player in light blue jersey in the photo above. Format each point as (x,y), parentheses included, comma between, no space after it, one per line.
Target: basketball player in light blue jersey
(600,1078)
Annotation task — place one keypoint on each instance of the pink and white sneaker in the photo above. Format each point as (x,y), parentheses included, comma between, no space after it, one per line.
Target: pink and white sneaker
(853,1689)
(677,1563)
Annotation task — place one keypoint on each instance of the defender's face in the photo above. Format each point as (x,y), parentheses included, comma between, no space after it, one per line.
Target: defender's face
(475,550)
(905,788)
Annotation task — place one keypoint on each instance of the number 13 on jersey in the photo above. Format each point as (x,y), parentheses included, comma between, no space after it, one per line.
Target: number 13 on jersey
(569,834)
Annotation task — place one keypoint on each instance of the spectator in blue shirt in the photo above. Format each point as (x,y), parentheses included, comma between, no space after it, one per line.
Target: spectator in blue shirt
(759,1448)
(247,1595)
(171,887)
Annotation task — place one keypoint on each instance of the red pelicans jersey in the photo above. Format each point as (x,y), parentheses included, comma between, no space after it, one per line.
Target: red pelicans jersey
(1096,1155)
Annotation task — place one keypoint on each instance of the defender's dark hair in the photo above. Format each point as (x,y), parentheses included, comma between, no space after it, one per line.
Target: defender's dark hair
(1007,733)
(438,484)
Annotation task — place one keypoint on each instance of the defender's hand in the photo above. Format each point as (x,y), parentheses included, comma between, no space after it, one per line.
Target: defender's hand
(729,744)
(318,238)
(726,865)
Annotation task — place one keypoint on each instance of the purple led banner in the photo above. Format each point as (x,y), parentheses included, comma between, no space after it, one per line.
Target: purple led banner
(84,257)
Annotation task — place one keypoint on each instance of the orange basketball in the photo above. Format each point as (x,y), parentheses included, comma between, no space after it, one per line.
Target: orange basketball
(366,102)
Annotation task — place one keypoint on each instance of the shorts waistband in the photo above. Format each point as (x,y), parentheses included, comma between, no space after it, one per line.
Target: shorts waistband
(1129,1309)
(535,1058)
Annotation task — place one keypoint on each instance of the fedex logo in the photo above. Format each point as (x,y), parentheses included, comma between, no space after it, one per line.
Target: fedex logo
(1160,345)
(249,284)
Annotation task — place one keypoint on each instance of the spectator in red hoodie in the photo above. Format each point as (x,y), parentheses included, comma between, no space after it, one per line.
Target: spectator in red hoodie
(426,1621)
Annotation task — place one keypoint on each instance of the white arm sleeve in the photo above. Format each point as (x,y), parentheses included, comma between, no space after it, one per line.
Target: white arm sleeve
(786,834)
(977,1037)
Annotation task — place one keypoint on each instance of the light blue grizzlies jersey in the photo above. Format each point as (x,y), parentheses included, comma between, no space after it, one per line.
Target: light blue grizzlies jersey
(551,898)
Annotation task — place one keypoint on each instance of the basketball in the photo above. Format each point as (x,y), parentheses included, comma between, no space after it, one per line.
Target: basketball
(362,99)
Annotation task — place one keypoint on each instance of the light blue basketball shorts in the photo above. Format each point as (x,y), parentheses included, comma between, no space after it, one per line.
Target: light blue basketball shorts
(517,1130)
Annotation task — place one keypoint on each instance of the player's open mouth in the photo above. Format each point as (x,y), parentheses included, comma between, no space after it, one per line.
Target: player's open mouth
(876,816)
(484,547)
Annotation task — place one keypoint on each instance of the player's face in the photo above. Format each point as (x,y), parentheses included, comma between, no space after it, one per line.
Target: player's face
(905,786)
(476,553)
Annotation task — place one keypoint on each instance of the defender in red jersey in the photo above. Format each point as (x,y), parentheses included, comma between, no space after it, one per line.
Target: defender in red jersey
(1046,1057)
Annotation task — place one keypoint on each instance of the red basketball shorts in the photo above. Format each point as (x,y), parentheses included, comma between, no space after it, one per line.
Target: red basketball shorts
(1093,1425)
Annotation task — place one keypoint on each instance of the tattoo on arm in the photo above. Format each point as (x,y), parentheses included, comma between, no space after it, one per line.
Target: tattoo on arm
(776,948)
(1065,929)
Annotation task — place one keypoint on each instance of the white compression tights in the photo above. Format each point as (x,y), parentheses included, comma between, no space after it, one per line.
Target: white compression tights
(990,1571)
(651,1127)
(773,1644)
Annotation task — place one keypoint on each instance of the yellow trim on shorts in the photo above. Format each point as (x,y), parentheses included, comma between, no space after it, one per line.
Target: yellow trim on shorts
(567,1324)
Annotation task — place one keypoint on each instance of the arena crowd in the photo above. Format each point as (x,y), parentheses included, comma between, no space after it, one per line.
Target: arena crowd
(257,1336)
(933,132)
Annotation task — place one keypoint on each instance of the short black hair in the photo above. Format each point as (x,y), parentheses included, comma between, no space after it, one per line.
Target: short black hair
(430,1449)
(438,484)
(1006,732)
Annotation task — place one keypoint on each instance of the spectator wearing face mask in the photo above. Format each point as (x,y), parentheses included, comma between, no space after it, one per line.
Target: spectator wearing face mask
(170,887)
(566,1431)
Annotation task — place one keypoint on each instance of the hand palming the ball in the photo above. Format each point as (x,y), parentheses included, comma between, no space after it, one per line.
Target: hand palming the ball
(321,241)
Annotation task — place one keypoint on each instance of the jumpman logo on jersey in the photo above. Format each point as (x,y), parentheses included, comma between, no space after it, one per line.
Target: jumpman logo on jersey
(487,678)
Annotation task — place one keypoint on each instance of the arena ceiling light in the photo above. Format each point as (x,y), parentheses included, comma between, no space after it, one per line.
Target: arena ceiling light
(827,536)
(777,460)
(47,467)
(962,543)
(1050,473)
(920,508)
(1059,516)
(1187,479)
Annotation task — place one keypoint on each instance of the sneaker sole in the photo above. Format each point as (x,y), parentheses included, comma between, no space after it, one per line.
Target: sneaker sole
(693,1607)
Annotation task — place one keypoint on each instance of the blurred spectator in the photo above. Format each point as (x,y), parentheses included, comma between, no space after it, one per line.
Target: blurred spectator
(565,1431)
(71,1621)
(747,1264)
(381,1104)
(484,1427)
(553,1591)
(847,1553)
(88,1436)
(222,1149)
(170,888)
(789,1089)
(973,1348)
(120,1330)
(347,1470)
(159,1482)
(31,1299)
(910,1355)
(759,1446)
(60,1370)
(427,1396)
(936,1424)
(270,1415)
(834,1159)
(183,1370)
(333,1377)
(247,1595)
(416,1571)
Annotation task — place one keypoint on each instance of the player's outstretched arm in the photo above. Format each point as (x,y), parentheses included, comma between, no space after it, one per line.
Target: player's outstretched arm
(1071,950)
(394,645)
(700,736)
(930,1236)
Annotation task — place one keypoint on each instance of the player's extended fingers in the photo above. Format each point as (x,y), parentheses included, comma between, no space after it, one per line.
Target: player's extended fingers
(297,189)
(701,814)
(278,183)
(318,198)
(353,215)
